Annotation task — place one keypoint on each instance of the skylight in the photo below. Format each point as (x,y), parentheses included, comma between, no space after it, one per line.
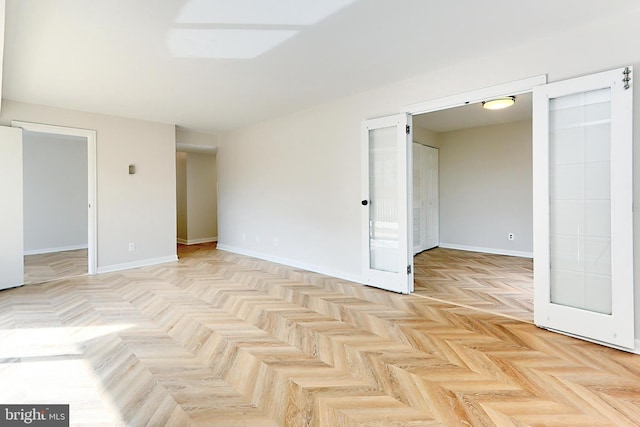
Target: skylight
(243,29)
(259,12)
(224,43)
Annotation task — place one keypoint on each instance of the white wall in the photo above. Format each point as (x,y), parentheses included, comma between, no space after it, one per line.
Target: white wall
(425,136)
(486,188)
(289,191)
(297,178)
(139,208)
(55,192)
(2,25)
(189,140)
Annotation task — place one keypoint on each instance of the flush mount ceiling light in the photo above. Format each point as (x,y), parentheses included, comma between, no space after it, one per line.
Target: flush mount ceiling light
(499,103)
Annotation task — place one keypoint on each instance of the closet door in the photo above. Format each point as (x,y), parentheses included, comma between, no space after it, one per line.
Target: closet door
(426,211)
(419,216)
(432,198)
(583,217)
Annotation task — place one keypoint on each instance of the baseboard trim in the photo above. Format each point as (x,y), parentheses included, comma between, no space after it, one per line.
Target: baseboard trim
(292,263)
(197,241)
(487,250)
(58,249)
(136,264)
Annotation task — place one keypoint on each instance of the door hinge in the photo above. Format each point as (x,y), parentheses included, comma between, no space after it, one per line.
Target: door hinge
(408,269)
(626,79)
(408,129)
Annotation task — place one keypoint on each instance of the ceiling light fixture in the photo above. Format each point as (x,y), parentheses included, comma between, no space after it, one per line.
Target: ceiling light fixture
(499,103)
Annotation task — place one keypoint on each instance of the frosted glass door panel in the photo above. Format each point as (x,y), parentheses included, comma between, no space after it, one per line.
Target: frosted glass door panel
(383,204)
(580,200)
(583,208)
(386,218)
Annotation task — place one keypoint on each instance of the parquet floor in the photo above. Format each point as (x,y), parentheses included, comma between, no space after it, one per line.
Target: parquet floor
(493,283)
(219,339)
(55,265)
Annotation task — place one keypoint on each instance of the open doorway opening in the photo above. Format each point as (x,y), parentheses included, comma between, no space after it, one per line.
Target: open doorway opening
(55,206)
(483,256)
(59,201)
(196,198)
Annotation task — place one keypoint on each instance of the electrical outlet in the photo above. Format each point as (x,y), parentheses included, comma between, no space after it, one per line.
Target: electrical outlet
(275,241)
(132,247)
(257,238)
(511,236)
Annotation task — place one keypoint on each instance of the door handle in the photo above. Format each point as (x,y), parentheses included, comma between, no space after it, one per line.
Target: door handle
(365,202)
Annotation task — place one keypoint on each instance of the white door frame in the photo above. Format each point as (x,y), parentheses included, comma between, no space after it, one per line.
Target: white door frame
(474,96)
(92,208)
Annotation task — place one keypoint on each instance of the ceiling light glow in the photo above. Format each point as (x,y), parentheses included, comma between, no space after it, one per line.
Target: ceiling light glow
(499,103)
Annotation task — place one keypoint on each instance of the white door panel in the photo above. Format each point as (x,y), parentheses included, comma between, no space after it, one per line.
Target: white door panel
(385,217)
(11,239)
(583,225)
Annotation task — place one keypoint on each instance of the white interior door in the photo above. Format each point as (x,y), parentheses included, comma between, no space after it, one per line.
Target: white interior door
(11,240)
(426,226)
(387,255)
(583,229)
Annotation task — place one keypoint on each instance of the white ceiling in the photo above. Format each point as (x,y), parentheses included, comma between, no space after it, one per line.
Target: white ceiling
(218,64)
(473,115)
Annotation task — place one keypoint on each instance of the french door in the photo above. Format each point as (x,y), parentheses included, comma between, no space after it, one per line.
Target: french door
(583,224)
(386,154)
(11,240)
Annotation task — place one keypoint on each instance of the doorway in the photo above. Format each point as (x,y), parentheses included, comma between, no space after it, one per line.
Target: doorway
(485,177)
(196,196)
(482,258)
(55,206)
(59,193)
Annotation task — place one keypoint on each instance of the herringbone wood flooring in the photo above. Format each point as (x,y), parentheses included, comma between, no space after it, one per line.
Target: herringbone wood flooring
(55,265)
(219,339)
(494,283)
